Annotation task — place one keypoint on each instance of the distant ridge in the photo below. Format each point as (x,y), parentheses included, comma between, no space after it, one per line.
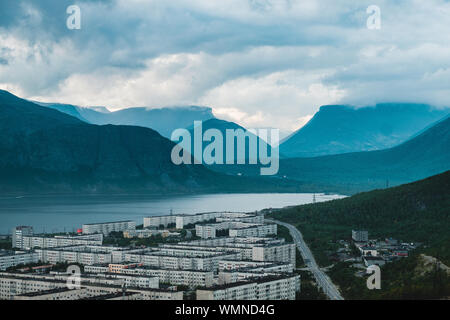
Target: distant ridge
(341,129)
(163,120)
(424,155)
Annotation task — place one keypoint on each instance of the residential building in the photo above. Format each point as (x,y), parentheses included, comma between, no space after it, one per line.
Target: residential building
(43,241)
(360,236)
(12,285)
(18,233)
(158,221)
(54,294)
(13,258)
(108,227)
(282,287)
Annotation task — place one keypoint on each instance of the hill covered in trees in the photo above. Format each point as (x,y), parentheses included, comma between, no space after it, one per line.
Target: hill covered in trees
(415,212)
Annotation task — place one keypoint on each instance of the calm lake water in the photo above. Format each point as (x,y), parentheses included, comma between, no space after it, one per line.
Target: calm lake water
(56,214)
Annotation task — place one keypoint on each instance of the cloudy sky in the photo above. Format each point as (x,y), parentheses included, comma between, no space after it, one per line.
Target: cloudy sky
(257,62)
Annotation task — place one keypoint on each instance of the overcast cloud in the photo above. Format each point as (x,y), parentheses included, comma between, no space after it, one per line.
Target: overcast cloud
(258,62)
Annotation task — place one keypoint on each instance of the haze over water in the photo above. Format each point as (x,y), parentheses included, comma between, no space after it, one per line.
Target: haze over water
(56,214)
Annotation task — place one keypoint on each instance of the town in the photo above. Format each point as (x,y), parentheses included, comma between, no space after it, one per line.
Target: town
(364,252)
(206,256)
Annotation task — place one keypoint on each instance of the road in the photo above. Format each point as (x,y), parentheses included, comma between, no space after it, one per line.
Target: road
(322,279)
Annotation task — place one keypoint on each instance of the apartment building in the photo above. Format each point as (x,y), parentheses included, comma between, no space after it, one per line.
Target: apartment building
(163,260)
(54,294)
(242,217)
(268,250)
(282,287)
(191,278)
(236,229)
(182,220)
(108,227)
(360,236)
(42,241)
(18,233)
(256,265)
(241,274)
(158,221)
(209,230)
(186,219)
(258,230)
(223,241)
(86,255)
(12,285)
(129,280)
(13,258)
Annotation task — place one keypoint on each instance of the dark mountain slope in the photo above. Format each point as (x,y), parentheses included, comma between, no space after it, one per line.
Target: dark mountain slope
(223,126)
(44,147)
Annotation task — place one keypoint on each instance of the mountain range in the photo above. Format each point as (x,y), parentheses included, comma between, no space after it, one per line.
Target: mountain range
(423,155)
(163,120)
(44,150)
(62,151)
(339,129)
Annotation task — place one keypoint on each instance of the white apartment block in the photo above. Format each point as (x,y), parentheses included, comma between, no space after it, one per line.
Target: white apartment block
(207,231)
(129,280)
(360,235)
(242,218)
(13,258)
(86,255)
(268,250)
(12,285)
(55,294)
(226,265)
(280,253)
(97,268)
(182,220)
(107,279)
(200,262)
(263,270)
(108,227)
(18,233)
(226,277)
(214,242)
(158,221)
(266,288)
(191,278)
(30,242)
(260,230)
(236,229)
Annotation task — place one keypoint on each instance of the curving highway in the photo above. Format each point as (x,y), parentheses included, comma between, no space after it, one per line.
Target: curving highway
(322,279)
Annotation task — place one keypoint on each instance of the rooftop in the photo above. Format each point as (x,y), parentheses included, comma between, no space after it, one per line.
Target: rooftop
(249,281)
(91,224)
(44,292)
